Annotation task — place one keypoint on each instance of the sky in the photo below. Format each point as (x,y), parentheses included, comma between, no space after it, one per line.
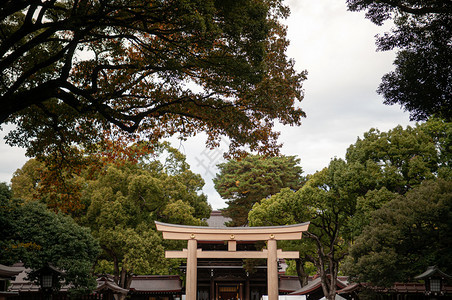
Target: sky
(337,48)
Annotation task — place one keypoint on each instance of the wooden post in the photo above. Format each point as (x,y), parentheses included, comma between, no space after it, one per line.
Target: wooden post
(272,270)
(192,270)
(212,286)
(247,287)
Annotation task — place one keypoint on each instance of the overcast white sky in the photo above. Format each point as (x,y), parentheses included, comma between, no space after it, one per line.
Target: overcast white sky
(337,48)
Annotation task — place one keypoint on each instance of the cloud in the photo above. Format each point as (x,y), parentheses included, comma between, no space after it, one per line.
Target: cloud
(11,158)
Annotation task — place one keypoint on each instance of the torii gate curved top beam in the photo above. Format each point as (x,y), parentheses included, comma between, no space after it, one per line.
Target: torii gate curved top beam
(203,233)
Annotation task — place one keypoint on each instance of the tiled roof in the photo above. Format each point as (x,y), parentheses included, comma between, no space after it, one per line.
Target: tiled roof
(107,283)
(140,284)
(147,284)
(288,284)
(398,287)
(8,272)
(21,284)
(314,285)
(433,271)
(217,219)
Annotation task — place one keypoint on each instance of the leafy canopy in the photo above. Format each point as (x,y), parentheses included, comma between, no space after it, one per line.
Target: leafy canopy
(36,236)
(243,182)
(342,200)
(72,69)
(421,82)
(124,201)
(327,201)
(405,236)
(119,193)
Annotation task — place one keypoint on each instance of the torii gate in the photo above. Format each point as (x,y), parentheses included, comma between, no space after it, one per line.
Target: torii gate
(193,234)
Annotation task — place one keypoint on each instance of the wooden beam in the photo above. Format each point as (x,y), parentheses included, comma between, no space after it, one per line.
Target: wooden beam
(176,254)
(232,254)
(241,236)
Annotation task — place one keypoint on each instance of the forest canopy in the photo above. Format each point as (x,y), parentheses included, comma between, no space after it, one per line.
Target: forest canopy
(72,70)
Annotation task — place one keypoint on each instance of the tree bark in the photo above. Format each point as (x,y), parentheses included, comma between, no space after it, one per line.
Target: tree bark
(301,273)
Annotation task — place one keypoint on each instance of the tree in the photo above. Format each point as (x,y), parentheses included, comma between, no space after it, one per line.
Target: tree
(25,181)
(124,202)
(72,69)
(340,201)
(59,181)
(405,236)
(328,201)
(32,234)
(249,180)
(394,162)
(421,81)
(122,190)
(403,158)
(6,218)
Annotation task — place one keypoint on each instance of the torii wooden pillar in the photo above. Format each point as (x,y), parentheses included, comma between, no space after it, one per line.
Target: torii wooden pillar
(193,234)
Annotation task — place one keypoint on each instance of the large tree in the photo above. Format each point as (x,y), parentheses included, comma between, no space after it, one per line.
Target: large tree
(404,157)
(243,182)
(70,69)
(123,203)
(340,200)
(32,234)
(405,236)
(129,190)
(328,201)
(421,82)
(396,161)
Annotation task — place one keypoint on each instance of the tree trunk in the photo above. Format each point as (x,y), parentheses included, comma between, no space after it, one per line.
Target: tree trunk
(302,275)
(120,296)
(125,280)
(327,265)
(329,279)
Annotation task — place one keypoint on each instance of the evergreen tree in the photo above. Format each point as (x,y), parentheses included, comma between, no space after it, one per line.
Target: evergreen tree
(247,181)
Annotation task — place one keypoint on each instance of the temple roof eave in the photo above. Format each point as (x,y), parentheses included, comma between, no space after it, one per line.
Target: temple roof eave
(7,272)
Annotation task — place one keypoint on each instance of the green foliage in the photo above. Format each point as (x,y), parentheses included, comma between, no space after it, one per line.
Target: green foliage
(123,190)
(397,161)
(366,205)
(248,180)
(292,268)
(5,191)
(328,201)
(344,201)
(405,157)
(123,204)
(7,219)
(153,69)
(405,236)
(421,81)
(25,181)
(36,236)
(440,133)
